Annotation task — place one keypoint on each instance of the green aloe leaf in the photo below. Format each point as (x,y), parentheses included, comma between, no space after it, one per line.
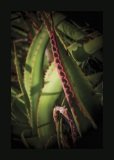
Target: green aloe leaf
(21,83)
(81,86)
(49,95)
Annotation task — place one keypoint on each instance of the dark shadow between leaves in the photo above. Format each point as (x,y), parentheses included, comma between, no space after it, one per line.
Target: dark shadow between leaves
(28,68)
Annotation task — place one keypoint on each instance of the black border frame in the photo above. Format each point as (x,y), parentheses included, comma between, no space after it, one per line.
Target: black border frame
(108,30)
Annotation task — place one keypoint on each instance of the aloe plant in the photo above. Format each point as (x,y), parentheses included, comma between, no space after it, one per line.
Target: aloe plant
(62,82)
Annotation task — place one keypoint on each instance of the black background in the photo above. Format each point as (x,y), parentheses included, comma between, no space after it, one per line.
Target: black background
(108,29)
(92,139)
(93,18)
